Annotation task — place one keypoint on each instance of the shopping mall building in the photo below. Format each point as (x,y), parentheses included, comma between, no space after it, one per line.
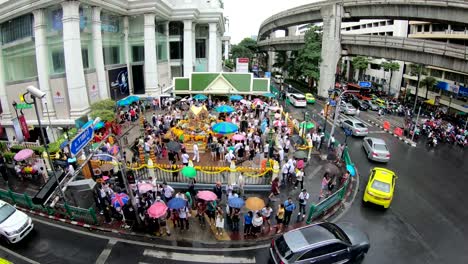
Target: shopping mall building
(80,52)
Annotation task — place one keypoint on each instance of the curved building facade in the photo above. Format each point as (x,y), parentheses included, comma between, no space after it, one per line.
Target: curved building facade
(79,52)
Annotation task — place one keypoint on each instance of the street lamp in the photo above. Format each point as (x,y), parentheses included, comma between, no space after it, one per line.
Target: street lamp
(36,93)
(337,113)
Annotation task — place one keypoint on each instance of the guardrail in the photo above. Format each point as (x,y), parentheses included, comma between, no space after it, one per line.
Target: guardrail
(64,210)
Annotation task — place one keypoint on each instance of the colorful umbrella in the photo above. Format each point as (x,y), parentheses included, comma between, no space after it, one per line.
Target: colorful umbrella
(105,178)
(225,128)
(173,146)
(200,97)
(133,98)
(114,150)
(254,203)
(300,164)
(236,202)
(119,199)
(99,125)
(225,109)
(189,172)
(243,101)
(23,154)
(145,187)
(157,210)
(279,123)
(238,137)
(269,95)
(124,102)
(207,195)
(177,203)
(300,154)
(351,169)
(235,97)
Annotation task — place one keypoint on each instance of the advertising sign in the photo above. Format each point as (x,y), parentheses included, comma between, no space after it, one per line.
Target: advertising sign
(118,83)
(18,132)
(365,84)
(57,16)
(24,127)
(454,88)
(81,140)
(242,65)
(255,68)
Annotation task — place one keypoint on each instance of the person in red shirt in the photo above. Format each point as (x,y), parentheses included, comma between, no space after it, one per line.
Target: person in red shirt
(274,188)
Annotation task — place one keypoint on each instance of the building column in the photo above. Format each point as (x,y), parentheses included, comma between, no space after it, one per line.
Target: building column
(194,40)
(169,70)
(73,60)
(151,64)
(6,115)
(127,54)
(348,69)
(212,46)
(98,54)
(42,59)
(219,51)
(188,63)
(331,47)
(226,50)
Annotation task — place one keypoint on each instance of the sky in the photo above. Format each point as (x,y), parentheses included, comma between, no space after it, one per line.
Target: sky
(245,16)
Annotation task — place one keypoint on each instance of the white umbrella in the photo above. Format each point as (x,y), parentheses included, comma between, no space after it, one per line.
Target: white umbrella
(245,102)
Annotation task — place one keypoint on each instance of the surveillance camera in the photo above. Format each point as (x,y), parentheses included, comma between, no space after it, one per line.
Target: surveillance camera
(35,92)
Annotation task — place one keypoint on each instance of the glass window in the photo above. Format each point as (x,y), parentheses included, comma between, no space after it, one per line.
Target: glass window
(175,28)
(161,45)
(436,73)
(19,62)
(17,28)
(200,48)
(58,61)
(426,28)
(380,147)
(111,55)
(439,27)
(283,247)
(5,211)
(454,77)
(138,53)
(381,186)
(84,58)
(323,250)
(176,50)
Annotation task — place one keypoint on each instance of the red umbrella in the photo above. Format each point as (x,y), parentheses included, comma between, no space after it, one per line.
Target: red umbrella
(300,164)
(207,195)
(157,210)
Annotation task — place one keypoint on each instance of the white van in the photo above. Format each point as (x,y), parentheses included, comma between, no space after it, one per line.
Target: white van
(298,100)
(14,224)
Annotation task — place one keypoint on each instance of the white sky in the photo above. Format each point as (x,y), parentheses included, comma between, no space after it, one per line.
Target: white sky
(245,16)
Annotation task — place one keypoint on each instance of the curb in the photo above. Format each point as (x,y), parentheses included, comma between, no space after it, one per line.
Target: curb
(404,139)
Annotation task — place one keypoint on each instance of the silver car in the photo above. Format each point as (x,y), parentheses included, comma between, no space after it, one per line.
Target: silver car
(376,149)
(356,126)
(347,108)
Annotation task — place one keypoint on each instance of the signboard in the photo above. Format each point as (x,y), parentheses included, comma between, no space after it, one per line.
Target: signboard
(267,74)
(59,98)
(365,84)
(24,127)
(81,140)
(255,68)
(118,83)
(23,106)
(18,132)
(454,89)
(242,65)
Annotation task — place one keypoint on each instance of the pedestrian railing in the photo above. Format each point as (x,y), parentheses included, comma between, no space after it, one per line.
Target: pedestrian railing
(74,213)
(337,197)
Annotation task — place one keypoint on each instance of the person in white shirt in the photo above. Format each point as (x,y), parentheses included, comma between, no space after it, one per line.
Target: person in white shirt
(168,192)
(185,158)
(229,156)
(303,198)
(285,171)
(196,153)
(281,154)
(266,214)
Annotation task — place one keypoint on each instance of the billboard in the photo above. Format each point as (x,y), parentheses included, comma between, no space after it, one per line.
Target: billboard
(24,127)
(242,65)
(118,83)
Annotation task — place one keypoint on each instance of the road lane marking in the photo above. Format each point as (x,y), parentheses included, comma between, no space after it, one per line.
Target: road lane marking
(196,257)
(134,242)
(18,255)
(316,171)
(106,252)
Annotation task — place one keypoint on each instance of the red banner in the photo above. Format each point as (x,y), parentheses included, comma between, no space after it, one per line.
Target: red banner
(24,127)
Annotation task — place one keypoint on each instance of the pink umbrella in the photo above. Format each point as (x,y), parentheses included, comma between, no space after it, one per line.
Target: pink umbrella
(145,187)
(238,137)
(279,123)
(23,154)
(207,195)
(300,164)
(257,102)
(105,178)
(157,210)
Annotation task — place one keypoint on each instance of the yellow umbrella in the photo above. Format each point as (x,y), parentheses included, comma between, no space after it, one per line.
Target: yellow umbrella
(254,203)
(430,101)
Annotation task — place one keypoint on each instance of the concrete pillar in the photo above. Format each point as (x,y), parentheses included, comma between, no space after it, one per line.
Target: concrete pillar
(331,46)
(219,50)
(151,66)
(188,64)
(194,40)
(6,115)
(127,53)
(42,58)
(213,27)
(348,69)
(271,59)
(98,54)
(166,30)
(73,60)
(226,50)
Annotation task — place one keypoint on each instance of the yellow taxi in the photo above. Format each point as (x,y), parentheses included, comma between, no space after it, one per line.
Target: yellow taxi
(310,98)
(380,187)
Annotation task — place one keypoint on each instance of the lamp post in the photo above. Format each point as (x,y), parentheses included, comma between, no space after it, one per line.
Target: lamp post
(337,114)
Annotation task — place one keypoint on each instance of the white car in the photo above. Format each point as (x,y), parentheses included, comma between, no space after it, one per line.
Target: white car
(347,108)
(298,100)
(14,224)
(356,126)
(376,149)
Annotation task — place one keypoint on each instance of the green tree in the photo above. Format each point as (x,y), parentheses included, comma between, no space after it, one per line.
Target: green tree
(307,62)
(361,63)
(429,82)
(281,60)
(417,70)
(104,109)
(390,66)
(245,49)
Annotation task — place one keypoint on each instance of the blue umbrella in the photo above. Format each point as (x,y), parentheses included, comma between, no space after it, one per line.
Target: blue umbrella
(176,203)
(124,102)
(119,199)
(236,202)
(235,97)
(351,170)
(99,125)
(133,98)
(104,157)
(200,97)
(225,128)
(225,109)
(64,144)
(269,95)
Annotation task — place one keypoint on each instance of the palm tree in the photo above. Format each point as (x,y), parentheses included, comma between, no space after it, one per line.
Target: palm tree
(417,69)
(390,66)
(429,82)
(361,63)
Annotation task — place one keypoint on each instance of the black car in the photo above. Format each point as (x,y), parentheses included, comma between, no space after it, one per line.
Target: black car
(320,243)
(358,104)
